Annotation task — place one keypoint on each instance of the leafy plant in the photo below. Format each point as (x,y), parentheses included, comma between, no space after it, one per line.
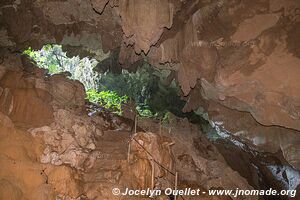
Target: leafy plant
(145,86)
(152,97)
(43,60)
(108,99)
(146,112)
(53,58)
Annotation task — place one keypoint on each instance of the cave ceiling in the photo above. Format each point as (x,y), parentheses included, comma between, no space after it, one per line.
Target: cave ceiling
(241,54)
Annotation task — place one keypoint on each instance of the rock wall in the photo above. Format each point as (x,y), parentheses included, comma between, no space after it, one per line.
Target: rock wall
(67,154)
(242,55)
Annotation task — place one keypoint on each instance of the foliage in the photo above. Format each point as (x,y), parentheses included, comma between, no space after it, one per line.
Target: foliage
(42,60)
(136,85)
(145,86)
(146,112)
(108,99)
(53,58)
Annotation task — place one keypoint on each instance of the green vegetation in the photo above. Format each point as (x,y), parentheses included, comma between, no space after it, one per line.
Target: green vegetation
(145,86)
(108,99)
(152,97)
(137,86)
(47,61)
(53,58)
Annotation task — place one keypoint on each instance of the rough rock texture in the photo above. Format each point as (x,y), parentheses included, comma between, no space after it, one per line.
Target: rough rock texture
(240,55)
(265,85)
(24,102)
(24,177)
(187,53)
(72,23)
(241,52)
(143,29)
(266,139)
(79,156)
(159,150)
(197,160)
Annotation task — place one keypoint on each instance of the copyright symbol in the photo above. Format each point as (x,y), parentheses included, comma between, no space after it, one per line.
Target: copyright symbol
(116,191)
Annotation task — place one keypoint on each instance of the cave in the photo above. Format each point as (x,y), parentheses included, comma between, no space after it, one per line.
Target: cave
(149,99)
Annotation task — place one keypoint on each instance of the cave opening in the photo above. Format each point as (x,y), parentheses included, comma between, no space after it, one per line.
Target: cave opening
(143,88)
(100,97)
(145,92)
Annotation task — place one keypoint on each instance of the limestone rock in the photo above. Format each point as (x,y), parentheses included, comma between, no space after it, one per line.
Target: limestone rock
(22,102)
(197,160)
(6,100)
(70,139)
(143,22)
(22,176)
(237,59)
(99,5)
(64,118)
(83,136)
(10,191)
(43,192)
(261,138)
(6,121)
(65,181)
(2,72)
(140,160)
(67,92)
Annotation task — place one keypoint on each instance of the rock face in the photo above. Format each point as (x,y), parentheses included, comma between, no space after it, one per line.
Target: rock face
(143,29)
(228,56)
(266,87)
(159,151)
(243,54)
(24,102)
(24,177)
(266,139)
(72,155)
(199,165)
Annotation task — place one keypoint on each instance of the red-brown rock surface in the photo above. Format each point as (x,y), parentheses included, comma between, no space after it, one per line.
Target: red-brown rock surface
(229,56)
(71,155)
(243,53)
